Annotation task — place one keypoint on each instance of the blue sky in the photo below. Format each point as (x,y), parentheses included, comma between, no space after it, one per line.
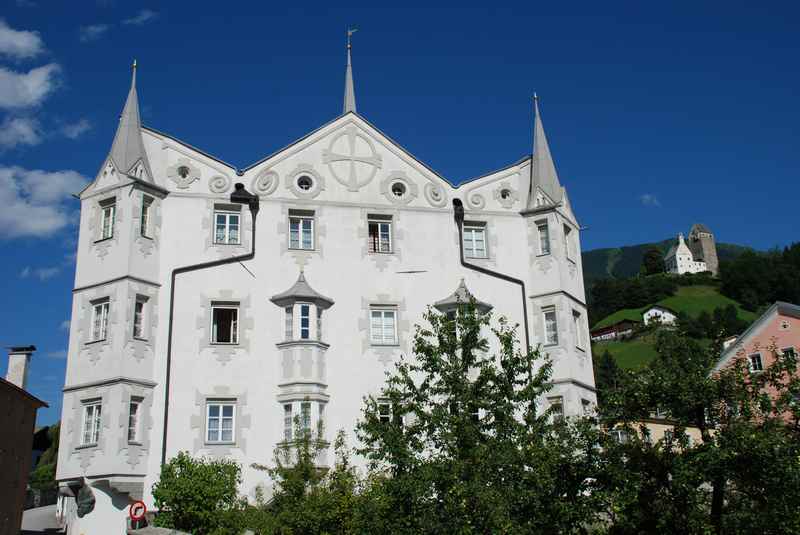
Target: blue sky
(658,115)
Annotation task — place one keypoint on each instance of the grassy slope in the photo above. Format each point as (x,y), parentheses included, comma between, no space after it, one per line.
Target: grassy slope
(689,299)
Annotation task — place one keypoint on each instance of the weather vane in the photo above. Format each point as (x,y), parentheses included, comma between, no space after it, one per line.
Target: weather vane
(350,32)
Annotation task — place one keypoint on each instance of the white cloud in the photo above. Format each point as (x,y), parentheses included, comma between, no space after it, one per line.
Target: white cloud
(26,89)
(40,273)
(59,354)
(19,131)
(76,129)
(19,44)
(25,272)
(35,201)
(93,32)
(648,199)
(64,325)
(143,17)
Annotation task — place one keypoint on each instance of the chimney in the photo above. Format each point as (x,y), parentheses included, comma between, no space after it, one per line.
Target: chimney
(18,360)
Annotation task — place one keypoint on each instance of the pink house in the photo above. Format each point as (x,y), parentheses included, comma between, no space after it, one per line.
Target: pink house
(777,330)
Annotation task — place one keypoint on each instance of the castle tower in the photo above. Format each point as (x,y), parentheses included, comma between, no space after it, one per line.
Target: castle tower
(703,247)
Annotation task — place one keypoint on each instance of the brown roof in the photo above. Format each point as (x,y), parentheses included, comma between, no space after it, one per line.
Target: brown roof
(30,397)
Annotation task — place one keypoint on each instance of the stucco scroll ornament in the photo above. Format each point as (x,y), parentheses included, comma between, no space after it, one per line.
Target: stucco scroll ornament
(265,182)
(219,184)
(352,159)
(183,173)
(435,195)
(476,201)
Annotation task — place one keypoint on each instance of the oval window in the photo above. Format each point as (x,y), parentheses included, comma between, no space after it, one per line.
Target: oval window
(398,189)
(305,183)
(505,193)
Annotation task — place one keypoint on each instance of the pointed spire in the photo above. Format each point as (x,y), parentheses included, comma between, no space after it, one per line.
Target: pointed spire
(543,169)
(349,89)
(127,150)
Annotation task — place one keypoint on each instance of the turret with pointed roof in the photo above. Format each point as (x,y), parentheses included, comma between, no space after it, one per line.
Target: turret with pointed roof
(349,88)
(543,169)
(127,151)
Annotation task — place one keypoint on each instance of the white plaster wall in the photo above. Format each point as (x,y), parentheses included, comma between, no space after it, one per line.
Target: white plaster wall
(664,316)
(425,241)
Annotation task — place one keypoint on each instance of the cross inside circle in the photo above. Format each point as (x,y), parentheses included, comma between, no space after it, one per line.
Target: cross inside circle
(329,156)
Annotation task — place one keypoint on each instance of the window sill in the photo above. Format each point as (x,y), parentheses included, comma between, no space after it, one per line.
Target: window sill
(373,344)
(90,342)
(302,249)
(542,254)
(146,237)
(86,446)
(140,339)
(216,243)
(551,345)
(477,257)
(134,443)
(207,443)
(582,350)
(104,239)
(224,343)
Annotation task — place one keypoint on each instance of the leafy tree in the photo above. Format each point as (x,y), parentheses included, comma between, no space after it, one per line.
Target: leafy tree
(305,497)
(741,477)
(606,376)
(653,261)
(199,496)
(457,443)
(43,478)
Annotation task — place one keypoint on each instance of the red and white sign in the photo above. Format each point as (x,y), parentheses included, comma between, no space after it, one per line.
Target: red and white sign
(137,510)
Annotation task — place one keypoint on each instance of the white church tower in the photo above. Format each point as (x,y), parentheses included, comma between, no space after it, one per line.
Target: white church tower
(206,315)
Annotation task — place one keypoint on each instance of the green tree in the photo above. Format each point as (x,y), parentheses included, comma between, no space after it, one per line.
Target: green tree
(607,376)
(653,261)
(199,496)
(457,443)
(739,478)
(43,478)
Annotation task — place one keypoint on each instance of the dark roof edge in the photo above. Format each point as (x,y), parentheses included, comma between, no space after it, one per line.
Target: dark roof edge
(25,392)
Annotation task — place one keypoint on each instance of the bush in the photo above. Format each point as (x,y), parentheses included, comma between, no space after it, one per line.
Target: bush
(199,496)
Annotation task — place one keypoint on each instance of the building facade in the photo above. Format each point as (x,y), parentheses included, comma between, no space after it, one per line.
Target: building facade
(355,238)
(696,255)
(679,259)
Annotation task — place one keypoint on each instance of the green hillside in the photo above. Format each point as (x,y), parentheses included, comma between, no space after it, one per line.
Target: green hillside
(690,300)
(623,262)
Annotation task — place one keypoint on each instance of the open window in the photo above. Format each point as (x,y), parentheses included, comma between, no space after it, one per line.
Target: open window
(225,323)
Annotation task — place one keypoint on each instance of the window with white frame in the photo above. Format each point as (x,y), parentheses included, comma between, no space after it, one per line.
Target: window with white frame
(288,422)
(544,237)
(789,352)
(301,229)
(225,323)
(383,326)
(321,414)
(134,416)
(319,323)
(305,321)
(550,326)
(379,234)
(139,312)
(557,406)
(144,222)
(619,435)
(92,411)
(475,240)
(756,365)
(108,210)
(289,323)
(669,435)
(227,225)
(220,421)
(577,321)
(384,412)
(568,243)
(305,417)
(100,311)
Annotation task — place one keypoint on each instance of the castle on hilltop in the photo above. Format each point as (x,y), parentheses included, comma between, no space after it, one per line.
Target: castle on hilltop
(696,255)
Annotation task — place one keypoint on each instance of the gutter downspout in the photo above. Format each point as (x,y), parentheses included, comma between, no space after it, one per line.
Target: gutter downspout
(458,214)
(240,196)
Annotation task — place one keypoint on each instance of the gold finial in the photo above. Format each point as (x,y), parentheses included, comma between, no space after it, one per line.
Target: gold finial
(134,64)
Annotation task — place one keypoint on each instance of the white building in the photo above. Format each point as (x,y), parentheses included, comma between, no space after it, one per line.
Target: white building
(659,314)
(355,238)
(680,260)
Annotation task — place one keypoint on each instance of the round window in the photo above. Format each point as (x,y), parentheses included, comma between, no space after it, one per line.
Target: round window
(505,193)
(305,183)
(183,171)
(398,189)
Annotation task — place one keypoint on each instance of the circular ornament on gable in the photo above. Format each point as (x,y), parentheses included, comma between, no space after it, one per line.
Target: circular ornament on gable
(305,182)
(476,201)
(183,173)
(398,188)
(506,195)
(435,195)
(265,182)
(219,184)
(352,159)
